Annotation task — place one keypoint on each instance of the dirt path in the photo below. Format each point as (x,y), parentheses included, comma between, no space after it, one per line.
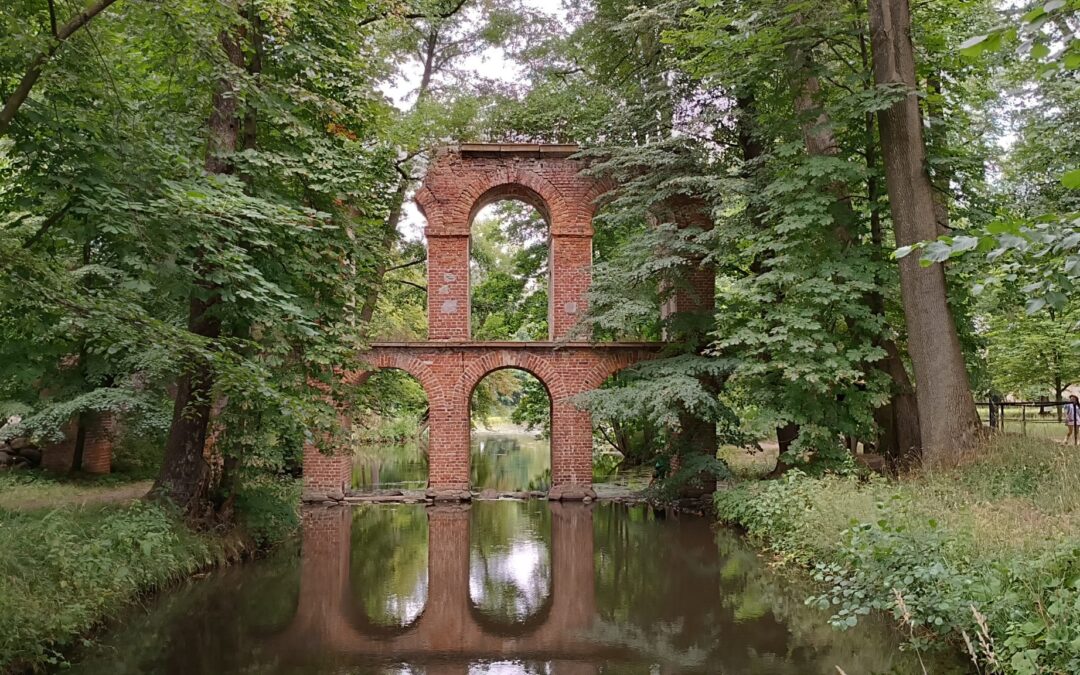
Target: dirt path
(29,496)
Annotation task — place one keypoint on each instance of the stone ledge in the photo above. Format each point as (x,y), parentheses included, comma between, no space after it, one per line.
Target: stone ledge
(449,495)
(571,493)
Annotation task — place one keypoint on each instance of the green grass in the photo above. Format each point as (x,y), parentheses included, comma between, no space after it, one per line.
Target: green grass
(990,548)
(63,571)
(26,490)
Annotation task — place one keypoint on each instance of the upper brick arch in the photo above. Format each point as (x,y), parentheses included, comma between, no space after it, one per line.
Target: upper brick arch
(380,359)
(463,179)
(504,359)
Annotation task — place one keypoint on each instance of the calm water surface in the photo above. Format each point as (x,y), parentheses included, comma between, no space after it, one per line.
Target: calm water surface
(502,459)
(496,587)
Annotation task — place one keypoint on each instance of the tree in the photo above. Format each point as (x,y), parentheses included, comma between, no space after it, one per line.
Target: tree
(1033,352)
(949,422)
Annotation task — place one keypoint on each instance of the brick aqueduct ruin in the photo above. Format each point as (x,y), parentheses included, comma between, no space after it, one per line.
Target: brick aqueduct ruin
(460,182)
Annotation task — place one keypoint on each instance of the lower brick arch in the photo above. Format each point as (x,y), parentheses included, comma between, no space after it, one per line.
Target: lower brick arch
(450,371)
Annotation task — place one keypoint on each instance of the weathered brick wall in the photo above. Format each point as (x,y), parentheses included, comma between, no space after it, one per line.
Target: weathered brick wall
(98,441)
(461,181)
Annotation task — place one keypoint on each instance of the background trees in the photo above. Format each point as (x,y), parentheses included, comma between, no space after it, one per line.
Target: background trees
(202,208)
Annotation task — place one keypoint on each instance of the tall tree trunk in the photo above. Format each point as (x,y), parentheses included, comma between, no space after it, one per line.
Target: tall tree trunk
(943,179)
(949,423)
(899,437)
(185,472)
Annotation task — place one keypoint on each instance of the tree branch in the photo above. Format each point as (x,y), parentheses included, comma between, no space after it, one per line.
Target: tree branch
(404,265)
(415,15)
(46,224)
(52,17)
(22,92)
(419,287)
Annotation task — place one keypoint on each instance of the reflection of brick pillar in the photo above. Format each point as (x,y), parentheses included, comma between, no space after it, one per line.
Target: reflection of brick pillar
(324,573)
(446,614)
(572,571)
(571,263)
(448,287)
(446,669)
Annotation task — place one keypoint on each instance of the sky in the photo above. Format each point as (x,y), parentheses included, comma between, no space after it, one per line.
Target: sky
(492,63)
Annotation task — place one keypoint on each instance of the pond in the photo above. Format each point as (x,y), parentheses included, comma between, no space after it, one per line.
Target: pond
(500,587)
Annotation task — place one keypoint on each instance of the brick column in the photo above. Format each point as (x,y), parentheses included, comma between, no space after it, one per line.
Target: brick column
(326,476)
(571,452)
(448,287)
(98,441)
(692,304)
(448,448)
(99,437)
(571,272)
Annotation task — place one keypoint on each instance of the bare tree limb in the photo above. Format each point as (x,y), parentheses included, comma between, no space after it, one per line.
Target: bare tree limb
(404,265)
(419,287)
(33,72)
(415,15)
(46,224)
(52,17)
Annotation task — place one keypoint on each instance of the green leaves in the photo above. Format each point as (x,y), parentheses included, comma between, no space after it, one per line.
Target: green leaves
(975,46)
(1071,179)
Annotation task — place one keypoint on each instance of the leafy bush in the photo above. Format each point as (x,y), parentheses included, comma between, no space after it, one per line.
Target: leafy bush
(63,571)
(138,455)
(919,549)
(269,508)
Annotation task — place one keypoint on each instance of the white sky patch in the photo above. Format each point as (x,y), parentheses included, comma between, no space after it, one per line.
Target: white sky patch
(492,63)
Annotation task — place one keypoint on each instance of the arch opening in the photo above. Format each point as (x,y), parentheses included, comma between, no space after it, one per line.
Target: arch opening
(510,432)
(510,269)
(390,437)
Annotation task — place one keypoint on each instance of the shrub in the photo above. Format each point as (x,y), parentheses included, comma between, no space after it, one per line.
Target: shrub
(62,571)
(918,549)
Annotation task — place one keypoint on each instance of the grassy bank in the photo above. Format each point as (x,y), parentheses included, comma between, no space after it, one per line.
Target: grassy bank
(985,557)
(63,571)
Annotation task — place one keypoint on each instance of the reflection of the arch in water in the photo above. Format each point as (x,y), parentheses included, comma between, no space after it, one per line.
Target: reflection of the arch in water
(388,583)
(450,623)
(510,584)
